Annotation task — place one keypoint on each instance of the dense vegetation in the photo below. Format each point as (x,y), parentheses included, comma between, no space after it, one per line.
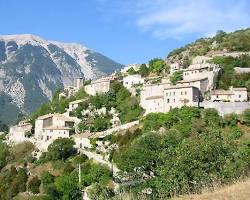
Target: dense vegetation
(64,160)
(235,41)
(228,76)
(185,157)
(119,98)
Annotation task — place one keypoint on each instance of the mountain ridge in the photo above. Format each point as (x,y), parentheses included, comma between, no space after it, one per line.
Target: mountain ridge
(32,68)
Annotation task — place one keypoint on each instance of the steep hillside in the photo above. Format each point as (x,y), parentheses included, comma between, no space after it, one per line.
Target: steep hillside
(32,68)
(238,41)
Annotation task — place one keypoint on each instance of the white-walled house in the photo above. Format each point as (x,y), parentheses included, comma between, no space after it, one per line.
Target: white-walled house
(231,95)
(98,86)
(81,141)
(19,132)
(74,104)
(201,83)
(162,98)
(50,127)
(178,96)
(153,104)
(150,95)
(131,80)
(175,67)
(201,69)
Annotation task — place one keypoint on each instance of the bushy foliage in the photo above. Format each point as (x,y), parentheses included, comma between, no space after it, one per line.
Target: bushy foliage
(193,153)
(12,182)
(228,76)
(34,184)
(60,149)
(144,70)
(177,76)
(158,66)
(4,153)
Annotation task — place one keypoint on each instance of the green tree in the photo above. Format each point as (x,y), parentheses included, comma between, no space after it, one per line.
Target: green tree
(177,76)
(131,71)
(246,117)
(34,184)
(158,66)
(144,70)
(4,153)
(67,185)
(61,149)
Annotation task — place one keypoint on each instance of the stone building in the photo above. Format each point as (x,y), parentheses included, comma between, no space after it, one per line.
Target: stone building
(98,86)
(74,104)
(131,80)
(178,96)
(50,127)
(231,95)
(20,132)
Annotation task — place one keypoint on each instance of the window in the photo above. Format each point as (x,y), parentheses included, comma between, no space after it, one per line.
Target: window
(173,93)
(181,93)
(169,93)
(167,100)
(47,137)
(217,96)
(185,92)
(239,96)
(173,100)
(166,94)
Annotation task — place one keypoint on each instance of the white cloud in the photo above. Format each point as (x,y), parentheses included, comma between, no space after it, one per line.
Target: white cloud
(166,18)
(180,18)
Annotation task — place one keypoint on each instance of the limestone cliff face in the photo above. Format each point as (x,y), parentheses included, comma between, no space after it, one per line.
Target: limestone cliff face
(32,68)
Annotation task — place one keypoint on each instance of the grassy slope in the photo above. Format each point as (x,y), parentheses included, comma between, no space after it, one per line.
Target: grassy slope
(237,191)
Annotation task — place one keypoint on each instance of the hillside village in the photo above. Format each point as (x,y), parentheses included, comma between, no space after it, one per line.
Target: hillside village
(139,124)
(196,88)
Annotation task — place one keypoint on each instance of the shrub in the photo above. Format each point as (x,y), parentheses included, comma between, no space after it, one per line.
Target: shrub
(34,184)
(61,149)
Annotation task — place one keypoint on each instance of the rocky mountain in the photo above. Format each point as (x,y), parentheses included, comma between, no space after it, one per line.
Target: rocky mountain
(32,68)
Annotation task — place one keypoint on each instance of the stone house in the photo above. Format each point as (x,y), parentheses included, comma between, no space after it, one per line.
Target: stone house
(175,67)
(98,86)
(74,104)
(163,97)
(20,132)
(231,95)
(81,141)
(131,80)
(178,96)
(151,94)
(201,83)
(50,127)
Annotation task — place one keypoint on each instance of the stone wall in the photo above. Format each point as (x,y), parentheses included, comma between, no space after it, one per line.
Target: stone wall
(227,107)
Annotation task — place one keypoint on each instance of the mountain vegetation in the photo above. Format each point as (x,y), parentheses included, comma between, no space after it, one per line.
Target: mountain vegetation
(167,155)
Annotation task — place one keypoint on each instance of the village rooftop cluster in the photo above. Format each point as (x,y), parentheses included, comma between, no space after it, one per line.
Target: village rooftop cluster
(156,94)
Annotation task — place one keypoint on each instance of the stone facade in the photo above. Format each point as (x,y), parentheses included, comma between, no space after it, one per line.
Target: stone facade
(99,86)
(50,127)
(74,104)
(178,96)
(231,95)
(225,108)
(131,80)
(19,132)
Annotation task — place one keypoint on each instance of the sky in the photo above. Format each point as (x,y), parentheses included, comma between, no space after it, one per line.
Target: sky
(128,31)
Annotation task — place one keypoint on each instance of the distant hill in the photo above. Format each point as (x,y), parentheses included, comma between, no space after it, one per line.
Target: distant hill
(32,68)
(238,41)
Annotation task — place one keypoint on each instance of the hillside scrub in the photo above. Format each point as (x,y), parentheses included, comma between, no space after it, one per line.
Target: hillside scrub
(228,77)
(187,157)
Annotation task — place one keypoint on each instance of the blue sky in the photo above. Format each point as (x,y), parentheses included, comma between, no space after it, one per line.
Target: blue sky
(128,31)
